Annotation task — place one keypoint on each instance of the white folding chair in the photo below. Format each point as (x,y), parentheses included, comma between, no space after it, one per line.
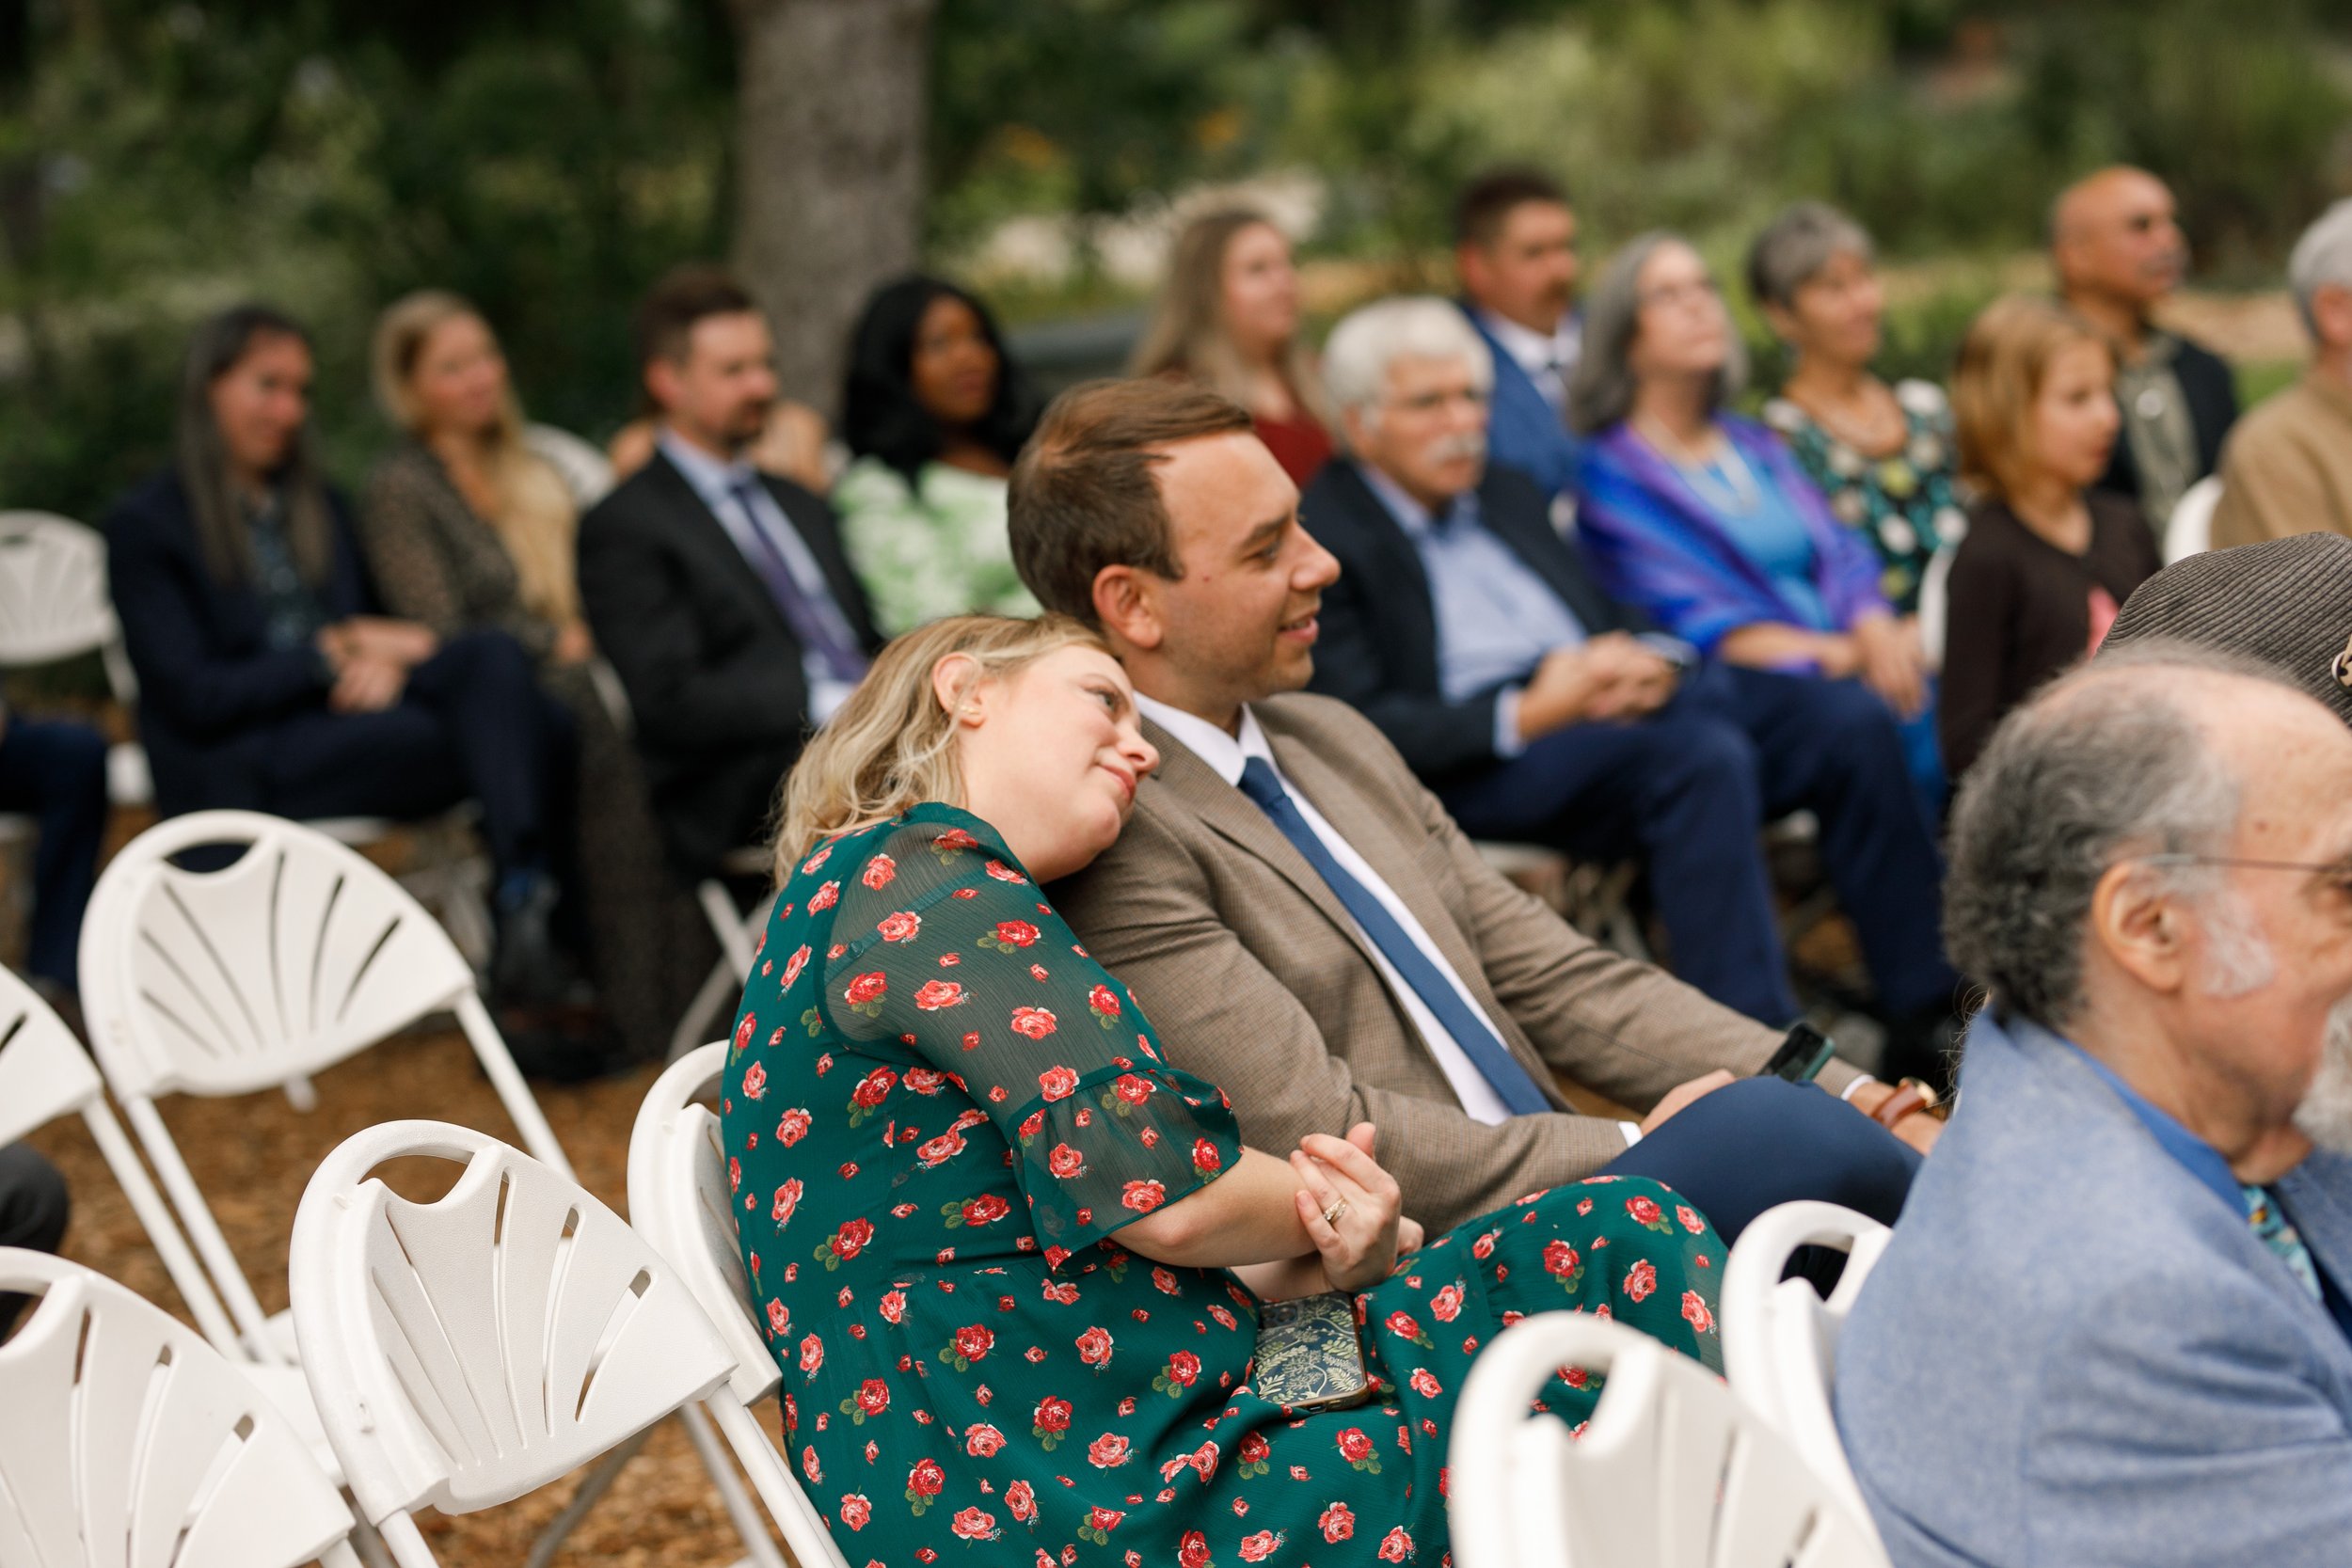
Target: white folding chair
(585,472)
(44,1075)
(738,932)
(1780,1337)
(677,1200)
(129,1442)
(2189,529)
(295,956)
(54,604)
(465,1352)
(1670,1472)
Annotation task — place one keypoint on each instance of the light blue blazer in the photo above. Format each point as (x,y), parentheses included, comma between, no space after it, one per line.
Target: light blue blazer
(2072,1354)
(1524,432)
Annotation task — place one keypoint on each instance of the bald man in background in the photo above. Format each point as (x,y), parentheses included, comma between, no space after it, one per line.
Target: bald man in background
(2116,240)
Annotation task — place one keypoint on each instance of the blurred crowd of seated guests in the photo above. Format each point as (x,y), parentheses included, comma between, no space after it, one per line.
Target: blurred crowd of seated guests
(1593,604)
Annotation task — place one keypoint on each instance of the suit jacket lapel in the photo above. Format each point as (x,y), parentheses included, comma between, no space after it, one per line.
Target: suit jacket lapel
(1235,817)
(700,530)
(1550,558)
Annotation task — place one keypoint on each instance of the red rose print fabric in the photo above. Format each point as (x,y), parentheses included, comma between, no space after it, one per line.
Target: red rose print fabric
(935,1132)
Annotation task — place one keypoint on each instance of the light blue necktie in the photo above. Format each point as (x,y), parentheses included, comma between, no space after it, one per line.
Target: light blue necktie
(1487,1053)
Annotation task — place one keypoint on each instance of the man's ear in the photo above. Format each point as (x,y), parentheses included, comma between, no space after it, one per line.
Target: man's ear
(660,379)
(2141,925)
(1127,602)
(2332,309)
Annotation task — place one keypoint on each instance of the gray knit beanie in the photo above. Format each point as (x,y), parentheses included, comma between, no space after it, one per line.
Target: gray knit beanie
(2287,602)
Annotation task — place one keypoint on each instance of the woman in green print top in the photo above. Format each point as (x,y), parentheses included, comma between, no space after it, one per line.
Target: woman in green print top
(1008,1257)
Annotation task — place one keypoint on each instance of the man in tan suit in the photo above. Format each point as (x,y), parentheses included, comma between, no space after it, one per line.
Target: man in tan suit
(1305,924)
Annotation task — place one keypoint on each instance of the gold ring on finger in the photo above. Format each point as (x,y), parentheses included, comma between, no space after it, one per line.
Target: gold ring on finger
(1331,1215)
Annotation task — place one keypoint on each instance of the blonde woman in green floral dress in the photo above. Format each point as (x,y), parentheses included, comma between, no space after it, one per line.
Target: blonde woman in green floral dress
(935,413)
(1883,455)
(1009,1259)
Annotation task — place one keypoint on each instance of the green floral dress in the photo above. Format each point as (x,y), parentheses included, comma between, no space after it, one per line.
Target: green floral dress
(940,1112)
(1907,502)
(937,546)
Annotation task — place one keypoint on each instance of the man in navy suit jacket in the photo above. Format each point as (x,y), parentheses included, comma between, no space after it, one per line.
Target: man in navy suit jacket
(1515,251)
(2111,1327)
(1465,629)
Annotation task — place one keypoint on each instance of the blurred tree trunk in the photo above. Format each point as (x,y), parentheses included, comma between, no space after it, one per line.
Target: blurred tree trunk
(828,168)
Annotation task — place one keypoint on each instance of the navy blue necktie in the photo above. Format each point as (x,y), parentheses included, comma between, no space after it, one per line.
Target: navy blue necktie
(815,622)
(1473,1034)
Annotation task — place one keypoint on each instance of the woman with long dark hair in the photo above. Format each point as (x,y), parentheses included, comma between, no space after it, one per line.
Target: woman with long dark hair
(268,678)
(935,411)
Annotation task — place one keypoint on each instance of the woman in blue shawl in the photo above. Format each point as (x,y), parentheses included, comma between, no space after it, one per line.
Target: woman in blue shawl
(1703,519)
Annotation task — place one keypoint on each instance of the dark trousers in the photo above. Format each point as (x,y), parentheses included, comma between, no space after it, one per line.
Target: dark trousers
(1686,789)
(33,1209)
(57,771)
(471,724)
(1760,1142)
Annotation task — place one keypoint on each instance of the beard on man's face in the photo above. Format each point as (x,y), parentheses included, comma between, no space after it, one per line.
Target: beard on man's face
(2325,1113)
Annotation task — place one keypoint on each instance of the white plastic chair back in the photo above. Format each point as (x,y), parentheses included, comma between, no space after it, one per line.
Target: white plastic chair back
(679,1200)
(1780,1337)
(54,601)
(584,469)
(131,1443)
(465,1352)
(1670,1472)
(298,955)
(2189,529)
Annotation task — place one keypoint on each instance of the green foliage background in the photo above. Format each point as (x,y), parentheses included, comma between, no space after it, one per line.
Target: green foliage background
(549,157)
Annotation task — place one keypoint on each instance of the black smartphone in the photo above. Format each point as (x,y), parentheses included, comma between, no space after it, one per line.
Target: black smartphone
(1801,1055)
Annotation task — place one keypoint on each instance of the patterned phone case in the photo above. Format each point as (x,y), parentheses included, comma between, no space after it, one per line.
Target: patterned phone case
(1308,1358)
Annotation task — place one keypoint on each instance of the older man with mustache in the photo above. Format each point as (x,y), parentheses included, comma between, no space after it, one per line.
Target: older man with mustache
(2116,243)
(1468,630)
(2130,1255)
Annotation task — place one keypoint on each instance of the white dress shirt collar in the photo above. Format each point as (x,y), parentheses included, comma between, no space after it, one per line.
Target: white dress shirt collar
(1535,352)
(1226,754)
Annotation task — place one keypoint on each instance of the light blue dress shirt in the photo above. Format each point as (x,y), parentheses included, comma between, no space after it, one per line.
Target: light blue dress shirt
(722,485)
(1496,617)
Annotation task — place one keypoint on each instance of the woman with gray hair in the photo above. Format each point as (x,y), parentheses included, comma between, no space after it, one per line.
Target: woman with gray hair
(1883,455)
(1704,521)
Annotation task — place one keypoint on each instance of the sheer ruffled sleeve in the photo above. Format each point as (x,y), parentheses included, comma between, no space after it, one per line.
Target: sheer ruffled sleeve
(944,945)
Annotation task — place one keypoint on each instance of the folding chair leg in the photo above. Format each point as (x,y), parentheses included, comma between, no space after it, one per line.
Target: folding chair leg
(339,1555)
(406,1542)
(594,1484)
(163,1231)
(368,1545)
(746,1515)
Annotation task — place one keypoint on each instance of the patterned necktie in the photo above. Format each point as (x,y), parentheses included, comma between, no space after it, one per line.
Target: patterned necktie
(2278,1234)
(1512,1083)
(814,618)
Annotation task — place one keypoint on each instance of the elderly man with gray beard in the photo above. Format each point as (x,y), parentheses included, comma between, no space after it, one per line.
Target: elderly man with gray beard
(2111,1327)
(1537,708)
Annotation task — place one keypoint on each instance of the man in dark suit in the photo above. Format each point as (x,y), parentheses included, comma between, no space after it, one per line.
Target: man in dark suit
(2116,240)
(1465,629)
(720,593)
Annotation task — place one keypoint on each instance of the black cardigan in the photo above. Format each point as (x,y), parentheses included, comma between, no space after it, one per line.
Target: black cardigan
(211,687)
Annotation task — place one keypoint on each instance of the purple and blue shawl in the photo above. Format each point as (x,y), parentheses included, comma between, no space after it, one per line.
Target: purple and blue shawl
(1653,544)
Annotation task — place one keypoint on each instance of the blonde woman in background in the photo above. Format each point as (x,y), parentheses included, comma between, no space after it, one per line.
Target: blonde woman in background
(465,528)
(1229,318)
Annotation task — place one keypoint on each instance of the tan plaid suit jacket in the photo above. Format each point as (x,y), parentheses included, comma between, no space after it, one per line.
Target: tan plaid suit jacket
(1257,980)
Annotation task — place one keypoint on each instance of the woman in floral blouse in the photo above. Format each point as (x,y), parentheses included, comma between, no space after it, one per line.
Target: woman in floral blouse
(1011,1260)
(935,412)
(1883,455)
